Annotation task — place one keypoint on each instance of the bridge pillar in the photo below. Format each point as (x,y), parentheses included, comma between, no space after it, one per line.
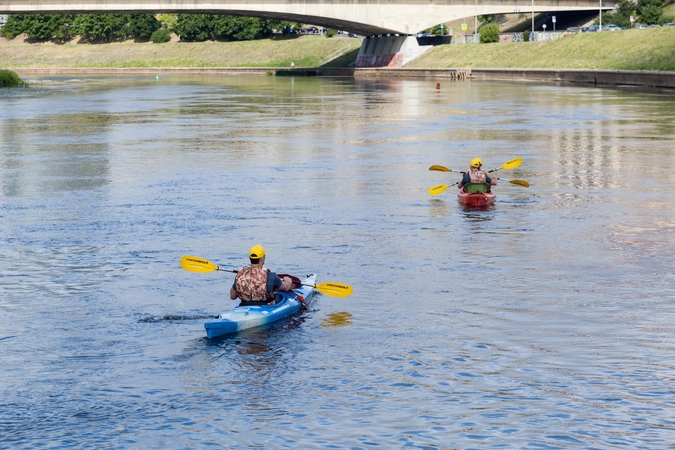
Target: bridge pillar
(389,51)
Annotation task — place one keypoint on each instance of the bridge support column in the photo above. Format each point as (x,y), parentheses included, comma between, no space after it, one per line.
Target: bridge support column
(389,51)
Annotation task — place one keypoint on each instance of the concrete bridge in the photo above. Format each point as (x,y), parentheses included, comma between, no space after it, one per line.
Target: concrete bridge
(363,17)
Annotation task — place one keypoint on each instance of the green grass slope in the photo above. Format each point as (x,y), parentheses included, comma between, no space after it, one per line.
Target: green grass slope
(649,49)
(304,51)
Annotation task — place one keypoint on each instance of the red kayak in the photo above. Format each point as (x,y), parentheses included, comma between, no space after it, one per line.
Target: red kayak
(476,194)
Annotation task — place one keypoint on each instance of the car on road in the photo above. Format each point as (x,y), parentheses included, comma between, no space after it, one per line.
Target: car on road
(641,26)
(571,30)
(669,24)
(593,28)
(610,27)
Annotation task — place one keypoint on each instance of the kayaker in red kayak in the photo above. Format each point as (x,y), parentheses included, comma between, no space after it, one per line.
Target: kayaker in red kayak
(255,285)
(476,175)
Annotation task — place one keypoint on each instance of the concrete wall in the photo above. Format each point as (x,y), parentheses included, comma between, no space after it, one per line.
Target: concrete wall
(664,80)
(592,77)
(389,51)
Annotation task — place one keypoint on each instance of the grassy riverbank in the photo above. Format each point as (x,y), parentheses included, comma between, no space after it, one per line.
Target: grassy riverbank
(303,51)
(649,49)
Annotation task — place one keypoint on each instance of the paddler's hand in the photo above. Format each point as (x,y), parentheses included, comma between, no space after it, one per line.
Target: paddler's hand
(287,284)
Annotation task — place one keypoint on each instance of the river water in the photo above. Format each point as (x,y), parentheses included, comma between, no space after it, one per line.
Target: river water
(543,322)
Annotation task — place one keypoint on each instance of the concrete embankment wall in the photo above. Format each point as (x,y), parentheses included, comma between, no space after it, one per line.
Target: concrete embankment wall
(593,77)
(585,77)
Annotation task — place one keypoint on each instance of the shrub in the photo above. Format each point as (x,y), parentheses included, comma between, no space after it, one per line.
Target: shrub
(526,36)
(10,79)
(489,33)
(161,36)
(330,32)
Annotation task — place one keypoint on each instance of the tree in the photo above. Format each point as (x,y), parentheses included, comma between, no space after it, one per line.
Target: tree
(16,24)
(47,26)
(193,27)
(489,33)
(437,30)
(168,21)
(102,27)
(142,25)
(236,28)
(650,11)
(161,36)
(621,15)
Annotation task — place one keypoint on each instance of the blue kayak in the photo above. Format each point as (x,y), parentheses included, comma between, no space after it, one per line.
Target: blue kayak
(243,317)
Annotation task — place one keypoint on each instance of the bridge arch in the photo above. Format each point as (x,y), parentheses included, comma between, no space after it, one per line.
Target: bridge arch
(363,17)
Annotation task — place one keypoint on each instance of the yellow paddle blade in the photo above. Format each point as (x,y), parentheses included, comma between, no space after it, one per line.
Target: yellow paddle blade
(438,189)
(520,183)
(438,168)
(197,264)
(334,289)
(513,163)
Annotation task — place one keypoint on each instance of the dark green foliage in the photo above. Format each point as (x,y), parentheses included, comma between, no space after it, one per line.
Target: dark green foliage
(47,26)
(621,15)
(330,32)
(235,28)
(10,79)
(279,25)
(650,11)
(15,25)
(142,25)
(489,33)
(651,15)
(202,27)
(194,27)
(92,27)
(436,30)
(526,36)
(161,36)
(103,27)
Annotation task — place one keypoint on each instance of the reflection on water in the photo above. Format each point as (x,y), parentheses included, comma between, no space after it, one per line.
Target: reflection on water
(467,328)
(340,319)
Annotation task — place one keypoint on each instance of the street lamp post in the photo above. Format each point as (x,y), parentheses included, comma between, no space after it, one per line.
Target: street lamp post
(533,15)
(475,20)
(600,29)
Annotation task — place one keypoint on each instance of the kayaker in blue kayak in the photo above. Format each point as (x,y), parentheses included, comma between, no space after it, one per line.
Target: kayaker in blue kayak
(476,175)
(255,285)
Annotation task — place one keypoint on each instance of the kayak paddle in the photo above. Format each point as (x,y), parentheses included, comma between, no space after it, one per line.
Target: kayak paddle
(438,168)
(436,190)
(507,165)
(518,182)
(197,264)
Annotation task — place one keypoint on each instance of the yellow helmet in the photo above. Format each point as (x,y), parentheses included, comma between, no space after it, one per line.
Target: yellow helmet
(256,252)
(476,162)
